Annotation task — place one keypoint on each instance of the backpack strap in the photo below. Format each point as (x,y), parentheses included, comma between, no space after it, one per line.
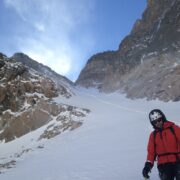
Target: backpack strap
(173,132)
(155,155)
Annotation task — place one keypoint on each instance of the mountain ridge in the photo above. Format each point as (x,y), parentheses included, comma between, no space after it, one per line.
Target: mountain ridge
(155,38)
(43,69)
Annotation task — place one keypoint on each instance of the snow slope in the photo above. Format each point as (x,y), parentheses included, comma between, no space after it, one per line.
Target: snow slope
(111,144)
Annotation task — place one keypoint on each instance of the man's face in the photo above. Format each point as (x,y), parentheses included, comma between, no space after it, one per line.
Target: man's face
(158,123)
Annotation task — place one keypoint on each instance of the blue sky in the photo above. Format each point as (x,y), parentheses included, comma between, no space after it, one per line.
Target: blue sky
(64,34)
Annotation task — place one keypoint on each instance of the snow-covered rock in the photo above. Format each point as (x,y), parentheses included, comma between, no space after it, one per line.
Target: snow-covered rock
(26,101)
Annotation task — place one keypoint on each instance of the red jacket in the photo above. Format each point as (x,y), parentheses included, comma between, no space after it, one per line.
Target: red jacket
(167,146)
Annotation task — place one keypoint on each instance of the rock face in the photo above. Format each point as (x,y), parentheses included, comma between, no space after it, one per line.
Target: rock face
(16,82)
(60,117)
(26,102)
(147,61)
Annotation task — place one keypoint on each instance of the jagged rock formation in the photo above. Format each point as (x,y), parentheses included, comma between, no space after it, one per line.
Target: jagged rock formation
(59,117)
(147,62)
(16,82)
(26,102)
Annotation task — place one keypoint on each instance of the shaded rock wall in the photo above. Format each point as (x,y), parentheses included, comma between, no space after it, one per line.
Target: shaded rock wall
(155,36)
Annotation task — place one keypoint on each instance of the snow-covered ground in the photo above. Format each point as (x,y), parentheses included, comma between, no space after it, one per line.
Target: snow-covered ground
(111,144)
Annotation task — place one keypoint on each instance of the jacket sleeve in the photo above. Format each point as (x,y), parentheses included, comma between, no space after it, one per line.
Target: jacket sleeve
(150,149)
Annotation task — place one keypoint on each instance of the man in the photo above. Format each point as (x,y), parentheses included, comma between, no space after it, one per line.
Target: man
(164,145)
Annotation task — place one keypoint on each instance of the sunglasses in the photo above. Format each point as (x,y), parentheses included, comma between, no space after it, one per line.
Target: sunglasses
(157,121)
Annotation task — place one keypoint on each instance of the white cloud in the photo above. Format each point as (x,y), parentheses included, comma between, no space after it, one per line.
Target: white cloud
(60,64)
(53,27)
(40,27)
(66,13)
(57,58)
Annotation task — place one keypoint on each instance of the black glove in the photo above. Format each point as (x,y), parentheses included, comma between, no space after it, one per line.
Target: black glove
(147,168)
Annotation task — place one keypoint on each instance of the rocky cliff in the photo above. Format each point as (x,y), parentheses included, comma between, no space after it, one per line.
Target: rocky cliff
(26,101)
(147,63)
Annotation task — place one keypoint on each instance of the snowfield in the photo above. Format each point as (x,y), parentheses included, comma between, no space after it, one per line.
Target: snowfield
(110,145)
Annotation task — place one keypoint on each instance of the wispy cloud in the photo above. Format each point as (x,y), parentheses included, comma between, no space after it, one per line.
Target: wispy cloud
(52,31)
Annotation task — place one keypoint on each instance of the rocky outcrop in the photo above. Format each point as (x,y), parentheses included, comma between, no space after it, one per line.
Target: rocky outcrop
(66,120)
(26,102)
(16,82)
(154,37)
(59,116)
